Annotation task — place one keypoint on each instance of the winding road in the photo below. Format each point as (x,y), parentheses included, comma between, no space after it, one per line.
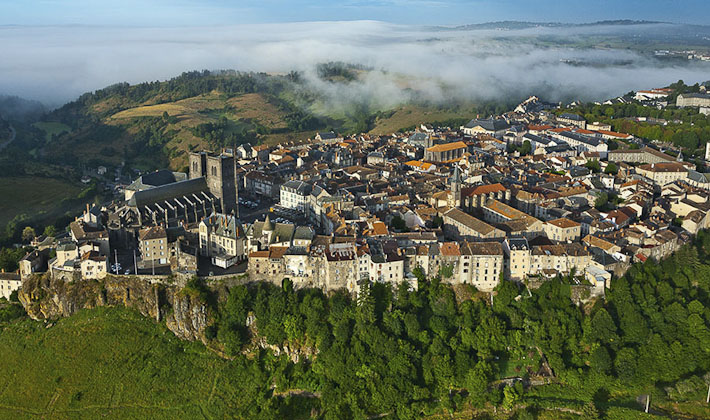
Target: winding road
(13,134)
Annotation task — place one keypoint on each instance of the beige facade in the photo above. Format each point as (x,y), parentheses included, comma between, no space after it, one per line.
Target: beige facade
(517,253)
(223,239)
(153,245)
(563,230)
(8,284)
(481,264)
(460,225)
(663,173)
(93,266)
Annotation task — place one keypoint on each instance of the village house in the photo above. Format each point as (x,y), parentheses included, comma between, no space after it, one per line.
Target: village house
(481,264)
(462,226)
(663,173)
(563,230)
(222,238)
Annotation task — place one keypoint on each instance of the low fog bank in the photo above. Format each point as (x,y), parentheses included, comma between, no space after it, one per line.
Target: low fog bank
(57,64)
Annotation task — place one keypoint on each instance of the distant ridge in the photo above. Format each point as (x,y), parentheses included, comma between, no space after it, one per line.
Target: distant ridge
(513,25)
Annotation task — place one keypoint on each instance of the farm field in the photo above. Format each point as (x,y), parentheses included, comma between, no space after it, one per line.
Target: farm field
(32,195)
(410,115)
(52,128)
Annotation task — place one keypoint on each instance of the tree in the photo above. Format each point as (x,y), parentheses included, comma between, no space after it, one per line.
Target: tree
(526,148)
(590,412)
(593,165)
(511,396)
(399,224)
(50,231)
(601,201)
(446,271)
(477,383)
(603,327)
(611,168)
(626,364)
(600,360)
(28,233)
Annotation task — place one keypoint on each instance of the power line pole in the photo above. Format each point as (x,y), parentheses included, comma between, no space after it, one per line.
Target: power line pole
(648,402)
(135,264)
(115,260)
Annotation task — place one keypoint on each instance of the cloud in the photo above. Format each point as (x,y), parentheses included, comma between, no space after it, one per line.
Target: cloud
(56,64)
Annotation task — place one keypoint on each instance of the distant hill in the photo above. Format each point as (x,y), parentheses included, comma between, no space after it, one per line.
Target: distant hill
(20,109)
(513,25)
(156,124)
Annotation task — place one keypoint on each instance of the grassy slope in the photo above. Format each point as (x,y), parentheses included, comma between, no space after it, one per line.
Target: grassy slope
(51,128)
(409,115)
(113,363)
(197,110)
(32,195)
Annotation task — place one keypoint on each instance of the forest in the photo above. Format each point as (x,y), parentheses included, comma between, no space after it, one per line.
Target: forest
(684,127)
(406,354)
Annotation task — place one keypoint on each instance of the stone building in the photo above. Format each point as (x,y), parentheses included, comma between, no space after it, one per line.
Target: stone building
(219,170)
(445,152)
(153,246)
(481,264)
(222,238)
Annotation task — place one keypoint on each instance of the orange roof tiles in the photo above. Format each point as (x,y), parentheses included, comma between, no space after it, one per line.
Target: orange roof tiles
(564,223)
(482,189)
(447,146)
(379,228)
(449,249)
(615,134)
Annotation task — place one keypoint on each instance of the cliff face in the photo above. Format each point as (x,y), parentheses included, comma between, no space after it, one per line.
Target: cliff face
(185,314)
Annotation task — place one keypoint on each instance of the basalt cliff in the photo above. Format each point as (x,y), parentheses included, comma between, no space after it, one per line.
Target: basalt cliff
(185,312)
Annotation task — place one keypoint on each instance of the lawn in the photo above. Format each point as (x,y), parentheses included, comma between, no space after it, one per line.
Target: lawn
(32,195)
(113,363)
(52,128)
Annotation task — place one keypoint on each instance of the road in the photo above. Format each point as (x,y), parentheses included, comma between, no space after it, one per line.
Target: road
(13,134)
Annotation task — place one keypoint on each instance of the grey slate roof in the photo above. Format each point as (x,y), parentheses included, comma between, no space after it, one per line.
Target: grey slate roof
(592,141)
(168,191)
(573,117)
(488,124)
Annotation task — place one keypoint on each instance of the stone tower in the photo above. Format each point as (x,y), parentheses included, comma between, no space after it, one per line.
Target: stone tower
(219,172)
(455,186)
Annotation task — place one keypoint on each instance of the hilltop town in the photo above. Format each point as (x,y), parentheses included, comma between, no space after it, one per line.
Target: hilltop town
(525,196)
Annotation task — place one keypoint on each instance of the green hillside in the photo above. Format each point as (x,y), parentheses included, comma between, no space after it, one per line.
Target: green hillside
(439,352)
(113,363)
(156,124)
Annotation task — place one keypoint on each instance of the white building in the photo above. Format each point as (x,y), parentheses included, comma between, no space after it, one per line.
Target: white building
(294,195)
(222,238)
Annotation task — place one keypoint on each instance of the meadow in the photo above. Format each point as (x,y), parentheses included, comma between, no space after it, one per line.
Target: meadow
(32,195)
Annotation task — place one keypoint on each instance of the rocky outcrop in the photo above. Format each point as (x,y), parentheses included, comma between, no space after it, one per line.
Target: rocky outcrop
(185,314)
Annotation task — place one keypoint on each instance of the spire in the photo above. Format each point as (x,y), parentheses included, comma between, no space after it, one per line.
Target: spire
(457,174)
(680,156)
(268,226)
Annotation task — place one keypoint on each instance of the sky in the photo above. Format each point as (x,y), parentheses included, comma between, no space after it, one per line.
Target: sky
(55,50)
(419,12)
